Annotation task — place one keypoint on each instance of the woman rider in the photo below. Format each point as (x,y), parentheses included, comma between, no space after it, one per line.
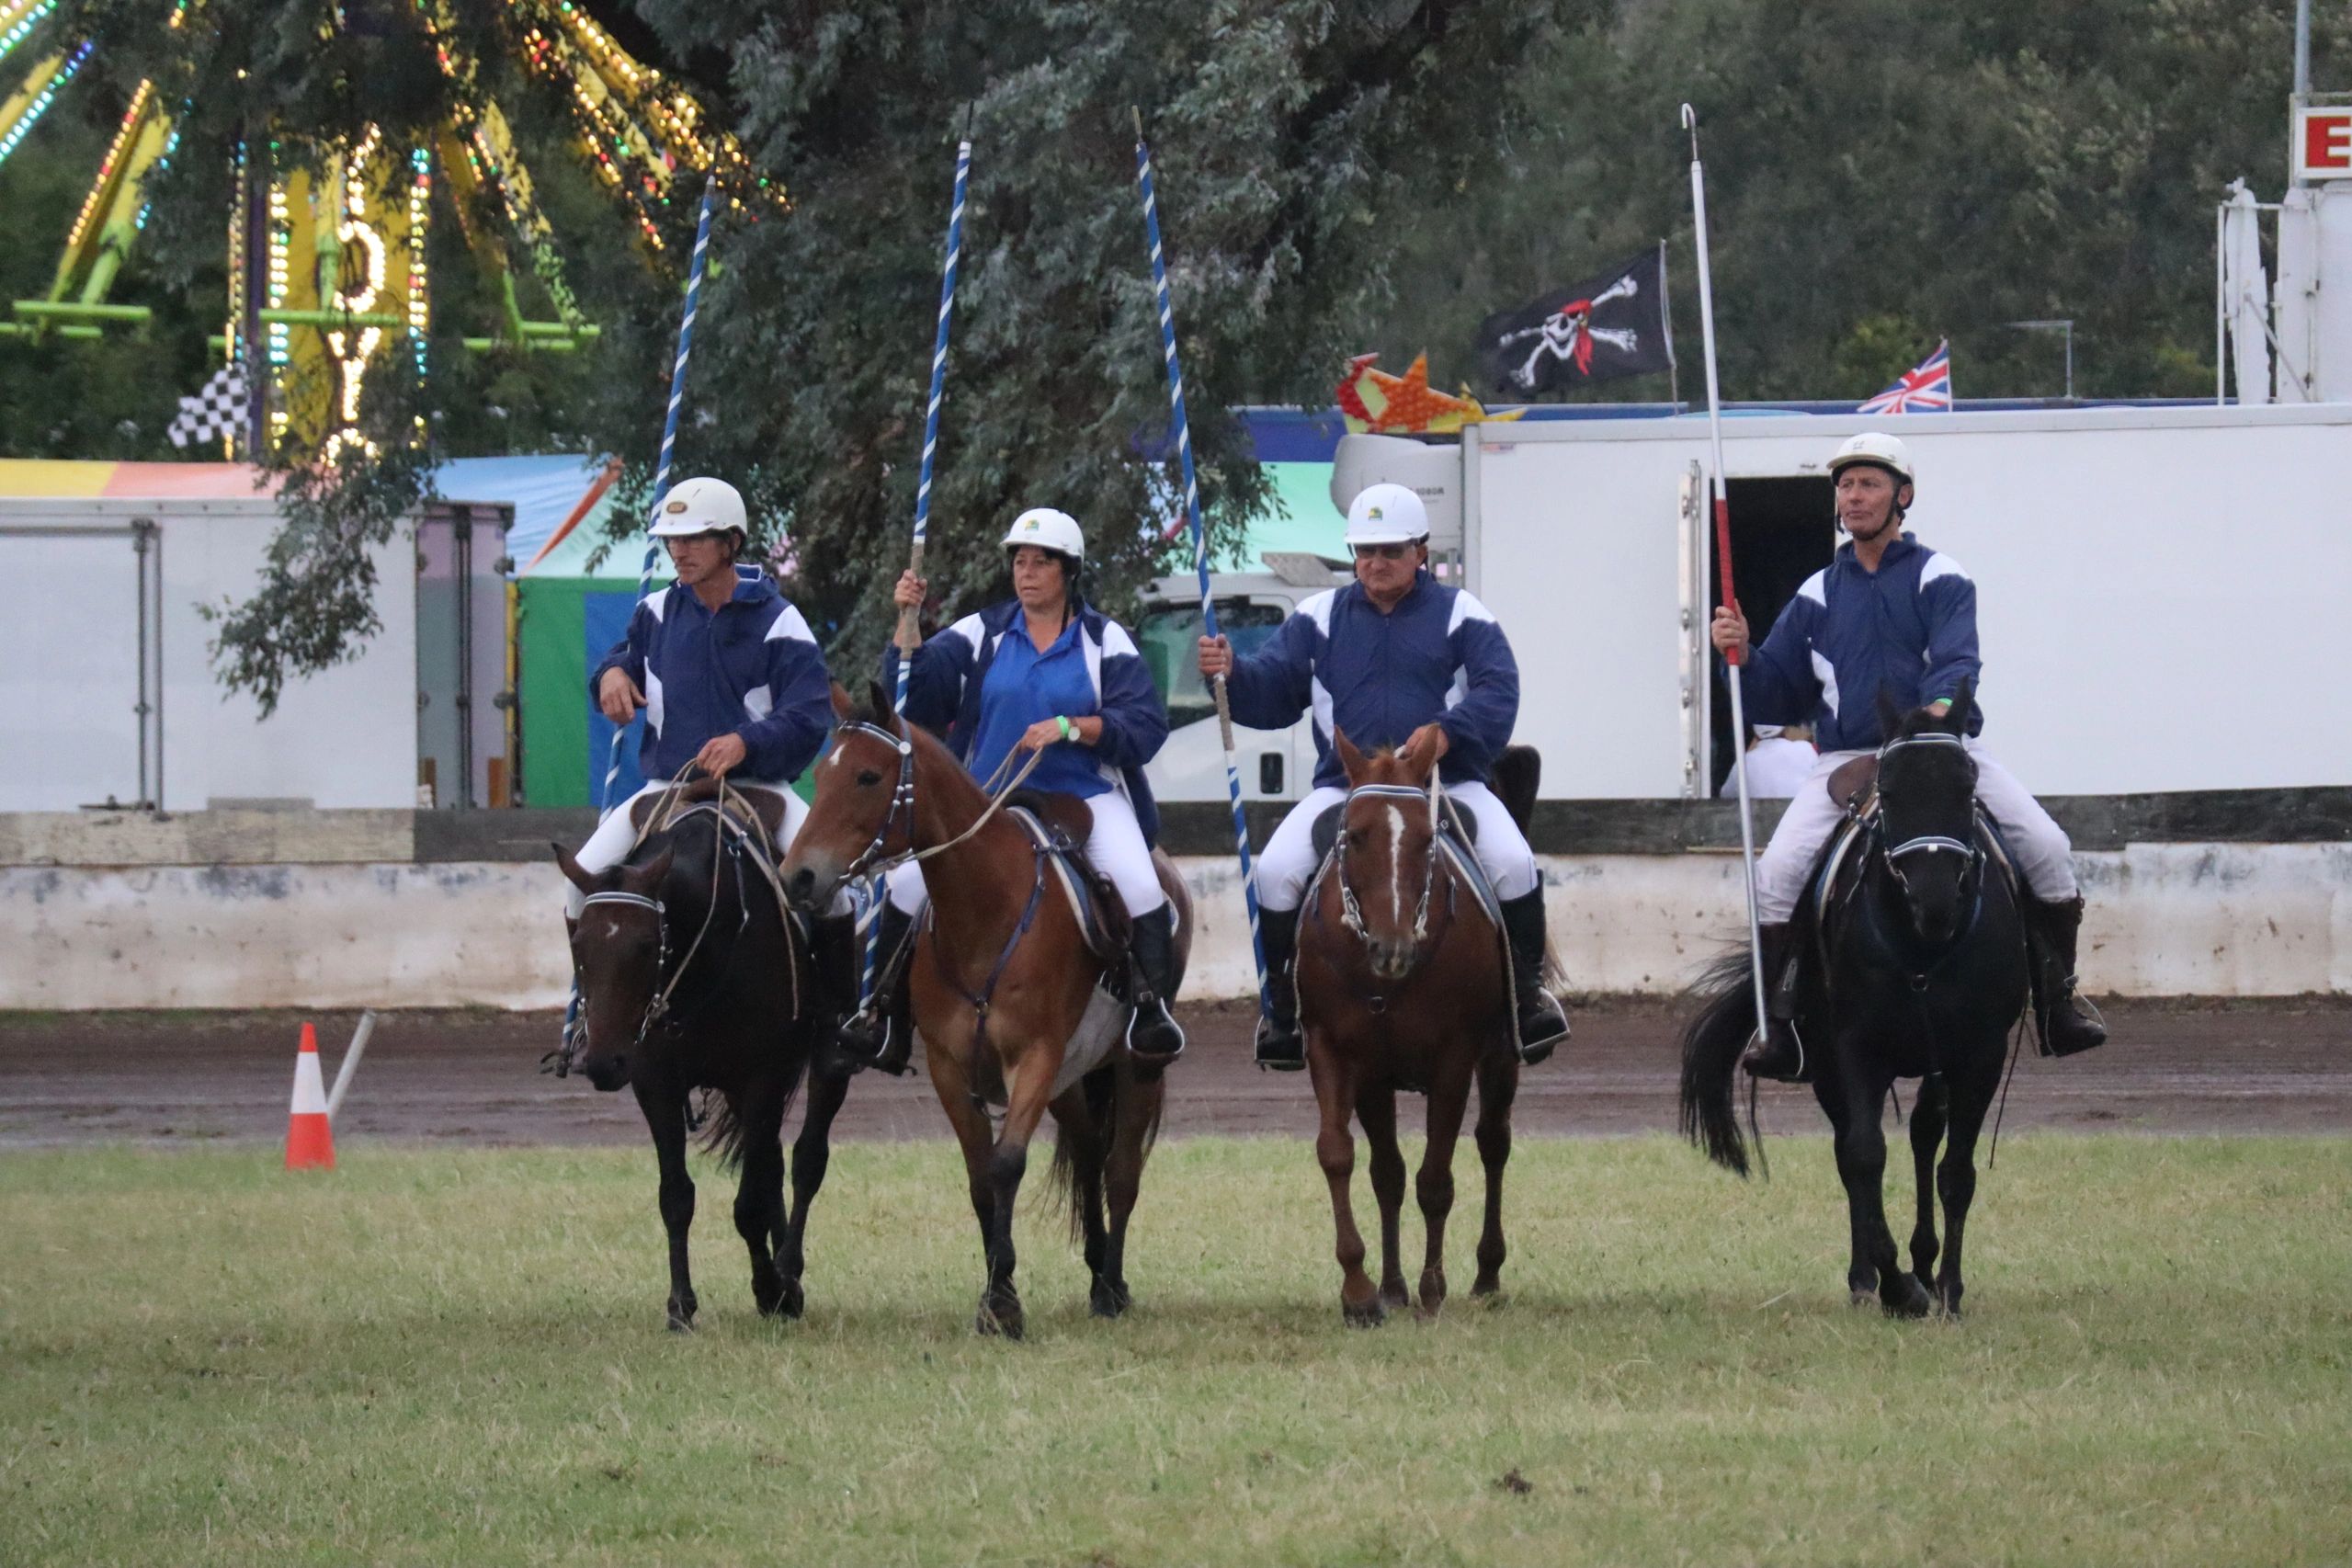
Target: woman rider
(1043,671)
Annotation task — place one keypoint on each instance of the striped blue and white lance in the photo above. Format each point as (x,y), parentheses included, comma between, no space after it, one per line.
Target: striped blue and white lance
(1199,547)
(909,628)
(669,448)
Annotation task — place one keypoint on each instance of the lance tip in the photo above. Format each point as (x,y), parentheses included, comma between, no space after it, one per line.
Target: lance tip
(1138,122)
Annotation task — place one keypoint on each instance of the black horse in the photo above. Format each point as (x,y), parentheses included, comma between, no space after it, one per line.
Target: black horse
(1923,975)
(691,978)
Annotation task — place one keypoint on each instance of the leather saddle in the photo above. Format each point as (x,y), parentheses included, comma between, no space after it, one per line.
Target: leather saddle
(758,810)
(1060,824)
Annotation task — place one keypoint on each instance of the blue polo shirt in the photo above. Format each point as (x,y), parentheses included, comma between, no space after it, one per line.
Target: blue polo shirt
(1023,685)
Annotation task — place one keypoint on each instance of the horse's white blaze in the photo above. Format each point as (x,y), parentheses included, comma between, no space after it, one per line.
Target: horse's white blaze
(612,927)
(1396,862)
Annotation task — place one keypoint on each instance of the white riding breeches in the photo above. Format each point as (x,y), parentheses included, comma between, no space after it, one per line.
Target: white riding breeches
(2036,842)
(1288,862)
(616,833)
(1116,848)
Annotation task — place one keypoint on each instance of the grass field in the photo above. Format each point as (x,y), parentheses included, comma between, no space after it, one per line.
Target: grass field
(437,1358)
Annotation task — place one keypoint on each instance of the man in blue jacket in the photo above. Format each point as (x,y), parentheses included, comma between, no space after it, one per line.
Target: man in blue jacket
(1887,615)
(726,672)
(1394,659)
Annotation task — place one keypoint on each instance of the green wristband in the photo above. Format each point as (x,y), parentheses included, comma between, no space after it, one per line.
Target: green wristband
(1068,733)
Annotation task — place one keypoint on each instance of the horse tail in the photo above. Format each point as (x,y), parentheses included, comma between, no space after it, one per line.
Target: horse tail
(1710,1058)
(1081,1146)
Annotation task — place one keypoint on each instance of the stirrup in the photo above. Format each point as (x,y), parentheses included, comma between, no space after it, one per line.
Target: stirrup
(1550,1029)
(1162,1023)
(1765,1058)
(2085,1016)
(1292,1054)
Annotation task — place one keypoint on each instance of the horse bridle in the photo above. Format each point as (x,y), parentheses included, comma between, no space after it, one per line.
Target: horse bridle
(878,858)
(723,850)
(1925,843)
(1351,914)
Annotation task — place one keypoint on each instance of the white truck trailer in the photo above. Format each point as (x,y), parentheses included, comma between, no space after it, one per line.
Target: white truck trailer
(2161,589)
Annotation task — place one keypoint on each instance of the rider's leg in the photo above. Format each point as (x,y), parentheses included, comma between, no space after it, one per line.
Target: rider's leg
(2046,860)
(1117,849)
(1510,865)
(1780,873)
(883,1033)
(1283,872)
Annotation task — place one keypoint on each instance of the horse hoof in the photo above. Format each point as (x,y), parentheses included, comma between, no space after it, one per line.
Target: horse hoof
(1858,1296)
(1393,1297)
(990,1322)
(1371,1314)
(680,1322)
(1911,1303)
(794,1301)
(1486,1285)
(1108,1301)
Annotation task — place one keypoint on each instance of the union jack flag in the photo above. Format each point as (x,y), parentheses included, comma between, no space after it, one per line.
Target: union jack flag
(1926,388)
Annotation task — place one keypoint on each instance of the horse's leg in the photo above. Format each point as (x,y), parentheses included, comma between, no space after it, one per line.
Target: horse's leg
(1498,1085)
(664,1108)
(950,1079)
(759,1193)
(1376,1109)
(1434,1186)
(1135,1113)
(1955,1177)
(1000,1309)
(1359,1301)
(1079,1144)
(1928,1117)
(1861,1274)
(1863,1147)
(811,1155)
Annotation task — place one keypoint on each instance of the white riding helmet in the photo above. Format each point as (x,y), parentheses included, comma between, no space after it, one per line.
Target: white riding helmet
(1048,530)
(1386,514)
(1880,450)
(700,506)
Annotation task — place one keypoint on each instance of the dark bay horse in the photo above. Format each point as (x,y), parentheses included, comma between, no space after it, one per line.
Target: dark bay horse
(1004,988)
(691,979)
(1402,985)
(1924,976)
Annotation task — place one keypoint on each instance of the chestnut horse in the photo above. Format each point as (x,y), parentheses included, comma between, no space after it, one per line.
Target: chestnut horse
(1004,988)
(692,978)
(1402,985)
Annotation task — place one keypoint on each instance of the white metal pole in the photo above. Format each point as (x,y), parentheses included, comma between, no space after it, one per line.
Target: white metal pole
(349,1066)
(1723,559)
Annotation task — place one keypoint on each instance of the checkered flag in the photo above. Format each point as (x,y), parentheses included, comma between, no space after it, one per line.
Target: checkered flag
(218,410)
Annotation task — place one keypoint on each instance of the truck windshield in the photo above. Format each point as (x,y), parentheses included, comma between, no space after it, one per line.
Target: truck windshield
(1168,639)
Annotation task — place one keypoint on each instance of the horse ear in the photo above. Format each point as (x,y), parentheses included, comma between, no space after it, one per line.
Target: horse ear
(1890,717)
(1963,707)
(645,879)
(884,713)
(1349,757)
(571,868)
(845,707)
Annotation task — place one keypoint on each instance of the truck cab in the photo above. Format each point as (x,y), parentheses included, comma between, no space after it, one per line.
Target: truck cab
(1276,764)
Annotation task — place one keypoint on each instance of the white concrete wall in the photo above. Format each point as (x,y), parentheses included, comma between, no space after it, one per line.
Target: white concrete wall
(2184,919)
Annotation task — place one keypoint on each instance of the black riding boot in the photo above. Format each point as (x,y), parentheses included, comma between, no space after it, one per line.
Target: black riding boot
(1280,1046)
(882,1034)
(1543,1023)
(2069,1022)
(1778,1051)
(1152,1035)
(573,1032)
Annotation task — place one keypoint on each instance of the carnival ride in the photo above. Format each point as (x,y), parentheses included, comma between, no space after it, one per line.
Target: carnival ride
(328,274)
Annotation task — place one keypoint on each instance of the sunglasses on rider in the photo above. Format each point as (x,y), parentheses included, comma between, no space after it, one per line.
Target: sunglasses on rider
(1383,552)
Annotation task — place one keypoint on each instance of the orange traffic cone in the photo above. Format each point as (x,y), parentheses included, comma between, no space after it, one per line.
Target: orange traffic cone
(309,1142)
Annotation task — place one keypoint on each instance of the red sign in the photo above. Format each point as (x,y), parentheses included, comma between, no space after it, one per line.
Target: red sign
(2324,142)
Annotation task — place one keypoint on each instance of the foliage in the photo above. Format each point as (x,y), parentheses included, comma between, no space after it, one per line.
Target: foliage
(449,1354)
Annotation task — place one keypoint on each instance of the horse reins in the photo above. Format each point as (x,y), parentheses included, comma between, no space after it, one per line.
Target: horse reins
(1351,914)
(876,859)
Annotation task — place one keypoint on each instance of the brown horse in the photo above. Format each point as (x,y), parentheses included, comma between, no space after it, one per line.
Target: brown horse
(692,978)
(1004,987)
(1402,985)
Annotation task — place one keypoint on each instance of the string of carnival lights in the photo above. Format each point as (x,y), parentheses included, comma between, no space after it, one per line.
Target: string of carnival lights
(107,164)
(48,95)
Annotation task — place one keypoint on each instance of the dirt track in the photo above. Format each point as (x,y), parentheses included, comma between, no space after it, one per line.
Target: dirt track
(472,1077)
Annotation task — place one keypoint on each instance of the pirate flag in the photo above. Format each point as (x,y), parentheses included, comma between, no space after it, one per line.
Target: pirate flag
(1611,326)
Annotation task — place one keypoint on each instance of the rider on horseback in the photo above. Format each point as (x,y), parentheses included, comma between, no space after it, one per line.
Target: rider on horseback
(1046,671)
(1394,659)
(729,679)
(1889,616)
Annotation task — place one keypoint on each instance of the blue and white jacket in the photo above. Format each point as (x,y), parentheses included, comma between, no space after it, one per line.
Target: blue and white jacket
(1908,628)
(1438,657)
(751,669)
(944,689)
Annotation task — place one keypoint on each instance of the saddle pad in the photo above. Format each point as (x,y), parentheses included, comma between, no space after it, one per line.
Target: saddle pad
(1103,928)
